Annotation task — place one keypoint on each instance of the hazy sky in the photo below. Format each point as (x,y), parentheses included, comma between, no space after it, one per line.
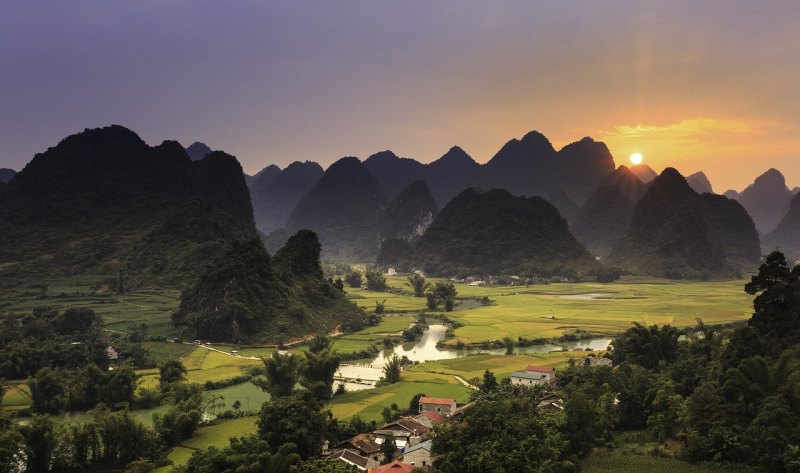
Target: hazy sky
(711,85)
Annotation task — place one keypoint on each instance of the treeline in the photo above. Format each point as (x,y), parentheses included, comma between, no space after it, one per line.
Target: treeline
(709,397)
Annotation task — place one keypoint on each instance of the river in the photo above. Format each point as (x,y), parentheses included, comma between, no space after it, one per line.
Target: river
(424,349)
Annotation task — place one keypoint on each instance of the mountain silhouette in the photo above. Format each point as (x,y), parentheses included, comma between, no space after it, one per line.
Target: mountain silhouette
(606,216)
(197,151)
(766,200)
(786,235)
(103,201)
(274,200)
(451,174)
(644,172)
(677,233)
(699,183)
(409,214)
(392,172)
(496,232)
(6,175)
(344,209)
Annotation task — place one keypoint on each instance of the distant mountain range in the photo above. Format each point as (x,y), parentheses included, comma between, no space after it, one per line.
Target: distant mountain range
(606,216)
(677,233)
(786,235)
(103,201)
(495,232)
(528,166)
(197,151)
(766,200)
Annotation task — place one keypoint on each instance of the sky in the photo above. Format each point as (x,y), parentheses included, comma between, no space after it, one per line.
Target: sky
(709,86)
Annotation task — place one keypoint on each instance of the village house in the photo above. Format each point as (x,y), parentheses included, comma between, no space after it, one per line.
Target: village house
(364,445)
(430,419)
(419,456)
(351,457)
(406,432)
(552,402)
(534,375)
(393,467)
(443,406)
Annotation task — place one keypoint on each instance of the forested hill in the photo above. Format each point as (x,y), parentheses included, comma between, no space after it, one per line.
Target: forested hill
(246,295)
(495,232)
(104,202)
(676,233)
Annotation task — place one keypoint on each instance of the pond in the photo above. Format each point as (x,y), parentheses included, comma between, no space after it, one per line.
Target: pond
(424,349)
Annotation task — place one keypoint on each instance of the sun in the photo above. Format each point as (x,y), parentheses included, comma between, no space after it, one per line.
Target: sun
(636,158)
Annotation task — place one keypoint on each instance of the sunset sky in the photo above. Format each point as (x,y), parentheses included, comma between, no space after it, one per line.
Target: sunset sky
(712,85)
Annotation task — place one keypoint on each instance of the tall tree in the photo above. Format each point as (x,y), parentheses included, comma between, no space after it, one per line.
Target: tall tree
(282,374)
(318,372)
(776,315)
(392,369)
(293,420)
(418,284)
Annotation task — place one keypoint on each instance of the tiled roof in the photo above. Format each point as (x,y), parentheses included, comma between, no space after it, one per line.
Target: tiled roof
(426,445)
(361,442)
(352,457)
(409,424)
(527,375)
(394,467)
(432,415)
(540,369)
(436,400)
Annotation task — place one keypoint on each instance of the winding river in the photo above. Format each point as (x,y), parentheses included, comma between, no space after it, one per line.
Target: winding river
(424,349)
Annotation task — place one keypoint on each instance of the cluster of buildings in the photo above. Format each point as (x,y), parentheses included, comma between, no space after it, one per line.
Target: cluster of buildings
(412,436)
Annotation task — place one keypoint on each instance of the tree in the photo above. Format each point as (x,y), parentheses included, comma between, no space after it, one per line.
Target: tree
(41,440)
(354,279)
(389,449)
(776,307)
(319,342)
(171,372)
(376,281)
(581,422)
(431,301)
(646,346)
(509,344)
(282,372)
(293,420)
(413,405)
(380,307)
(505,432)
(48,391)
(445,293)
(248,454)
(418,284)
(318,372)
(392,369)
(489,382)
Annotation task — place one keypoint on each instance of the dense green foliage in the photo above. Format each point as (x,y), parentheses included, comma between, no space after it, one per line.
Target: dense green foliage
(498,233)
(732,399)
(294,420)
(46,338)
(676,233)
(504,432)
(103,201)
(245,294)
(248,454)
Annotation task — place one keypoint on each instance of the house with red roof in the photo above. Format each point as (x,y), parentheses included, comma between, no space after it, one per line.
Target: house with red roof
(534,375)
(393,467)
(443,406)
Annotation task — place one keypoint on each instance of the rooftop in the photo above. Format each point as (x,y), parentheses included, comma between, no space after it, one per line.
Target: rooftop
(424,445)
(436,400)
(540,369)
(394,467)
(433,416)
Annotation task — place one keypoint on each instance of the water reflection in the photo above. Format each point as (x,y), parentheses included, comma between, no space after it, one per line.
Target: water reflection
(425,349)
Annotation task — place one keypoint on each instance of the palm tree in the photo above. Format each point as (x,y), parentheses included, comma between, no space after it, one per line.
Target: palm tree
(418,284)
